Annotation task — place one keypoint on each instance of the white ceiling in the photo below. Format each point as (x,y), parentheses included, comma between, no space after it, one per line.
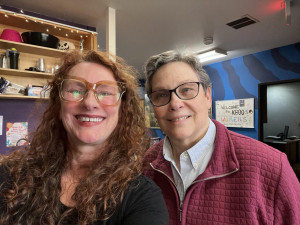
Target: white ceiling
(147,27)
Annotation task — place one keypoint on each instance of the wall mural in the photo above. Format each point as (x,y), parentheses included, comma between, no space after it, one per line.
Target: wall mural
(239,78)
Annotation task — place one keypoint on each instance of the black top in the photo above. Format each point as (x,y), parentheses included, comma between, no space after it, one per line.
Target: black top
(143,204)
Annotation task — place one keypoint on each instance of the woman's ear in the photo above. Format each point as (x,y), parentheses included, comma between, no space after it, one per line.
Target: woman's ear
(208,93)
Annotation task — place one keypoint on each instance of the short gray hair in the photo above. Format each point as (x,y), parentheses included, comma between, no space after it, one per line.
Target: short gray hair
(156,61)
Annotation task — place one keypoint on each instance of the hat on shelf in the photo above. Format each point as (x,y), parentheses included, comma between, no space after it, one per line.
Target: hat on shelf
(11,35)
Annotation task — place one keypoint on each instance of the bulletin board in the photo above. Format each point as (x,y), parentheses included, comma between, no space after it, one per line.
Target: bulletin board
(236,113)
(16,111)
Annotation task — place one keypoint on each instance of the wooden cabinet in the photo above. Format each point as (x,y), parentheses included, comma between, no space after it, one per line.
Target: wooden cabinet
(30,54)
(290,147)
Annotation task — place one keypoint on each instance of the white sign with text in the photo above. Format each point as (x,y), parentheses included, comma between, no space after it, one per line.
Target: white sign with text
(236,113)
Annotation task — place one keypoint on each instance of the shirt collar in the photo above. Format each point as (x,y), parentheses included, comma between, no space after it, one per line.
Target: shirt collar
(205,145)
(167,149)
(196,152)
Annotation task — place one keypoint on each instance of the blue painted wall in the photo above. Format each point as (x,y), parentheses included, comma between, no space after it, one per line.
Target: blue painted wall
(239,78)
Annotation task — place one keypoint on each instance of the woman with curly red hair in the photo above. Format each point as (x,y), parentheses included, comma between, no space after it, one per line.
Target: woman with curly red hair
(84,162)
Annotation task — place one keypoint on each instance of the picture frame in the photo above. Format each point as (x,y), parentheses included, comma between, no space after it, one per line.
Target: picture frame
(151,121)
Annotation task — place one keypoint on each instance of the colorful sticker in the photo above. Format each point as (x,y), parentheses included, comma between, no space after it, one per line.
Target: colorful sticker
(16,134)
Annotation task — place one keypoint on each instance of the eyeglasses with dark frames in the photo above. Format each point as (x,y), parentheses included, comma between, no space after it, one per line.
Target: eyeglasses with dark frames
(74,89)
(185,91)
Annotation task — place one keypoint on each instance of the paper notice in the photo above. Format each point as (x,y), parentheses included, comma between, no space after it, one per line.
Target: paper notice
(16,134)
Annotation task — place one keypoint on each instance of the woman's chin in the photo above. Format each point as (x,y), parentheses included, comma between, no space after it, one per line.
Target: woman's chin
(88,140)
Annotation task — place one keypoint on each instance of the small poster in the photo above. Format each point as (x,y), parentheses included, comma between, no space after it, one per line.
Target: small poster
(236,113)
(16,134)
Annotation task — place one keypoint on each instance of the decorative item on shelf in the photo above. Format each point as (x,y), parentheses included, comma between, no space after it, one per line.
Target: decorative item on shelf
(56,67)
(13,58)
(4,61)
(45,92)
(81,45)
(11,35)
(3,84)
(41,65)
(65,45)
(32,68)
(53,69)
(40,39)
(38,91)
(12,88)
(34,90)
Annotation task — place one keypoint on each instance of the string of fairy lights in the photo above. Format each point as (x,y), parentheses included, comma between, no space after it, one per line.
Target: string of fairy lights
(49,24)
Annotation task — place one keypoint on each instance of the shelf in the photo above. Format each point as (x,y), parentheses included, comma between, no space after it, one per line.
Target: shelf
(20,22)
(30,54)
(25,73)
(4,96)
(32,49)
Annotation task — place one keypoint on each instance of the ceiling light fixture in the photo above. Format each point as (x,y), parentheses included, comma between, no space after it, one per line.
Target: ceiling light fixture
(287,12)
(212,54)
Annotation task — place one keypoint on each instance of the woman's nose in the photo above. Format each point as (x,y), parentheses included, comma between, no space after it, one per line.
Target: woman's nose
(175,102)
(90,100)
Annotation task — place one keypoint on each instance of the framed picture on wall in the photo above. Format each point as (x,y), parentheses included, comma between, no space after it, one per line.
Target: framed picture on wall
(151,121)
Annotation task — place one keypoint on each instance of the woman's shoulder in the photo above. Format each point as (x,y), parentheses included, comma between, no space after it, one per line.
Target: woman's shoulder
(142,187)
(142,182)
(143,203)
(143,191)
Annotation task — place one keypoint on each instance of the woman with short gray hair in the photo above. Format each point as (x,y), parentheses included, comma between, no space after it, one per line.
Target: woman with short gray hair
(208,174)
(156,61)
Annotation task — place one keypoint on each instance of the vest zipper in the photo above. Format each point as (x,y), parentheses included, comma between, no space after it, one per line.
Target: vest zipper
(218,176)
(180,211)
(180,205)
(208,178)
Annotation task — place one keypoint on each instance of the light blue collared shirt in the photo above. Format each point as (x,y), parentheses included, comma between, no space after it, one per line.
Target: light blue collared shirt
(193,161)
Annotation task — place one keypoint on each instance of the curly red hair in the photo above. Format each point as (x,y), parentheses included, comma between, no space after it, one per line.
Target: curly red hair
(34,196)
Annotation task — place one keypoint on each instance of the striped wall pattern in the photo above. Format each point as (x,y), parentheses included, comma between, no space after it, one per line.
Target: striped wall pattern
(239,78)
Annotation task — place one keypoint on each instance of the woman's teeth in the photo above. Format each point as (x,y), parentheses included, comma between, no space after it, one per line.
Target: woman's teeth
(88,119)
(181,118)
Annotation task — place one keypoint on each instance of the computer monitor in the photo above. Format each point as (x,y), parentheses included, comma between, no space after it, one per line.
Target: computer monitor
(285,132)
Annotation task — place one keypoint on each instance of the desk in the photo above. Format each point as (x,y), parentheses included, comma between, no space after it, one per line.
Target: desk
(290,147)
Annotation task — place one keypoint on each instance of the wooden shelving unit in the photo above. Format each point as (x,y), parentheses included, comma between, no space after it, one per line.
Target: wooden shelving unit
(32,49)
(26,73)
(30,54)
(4,96)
